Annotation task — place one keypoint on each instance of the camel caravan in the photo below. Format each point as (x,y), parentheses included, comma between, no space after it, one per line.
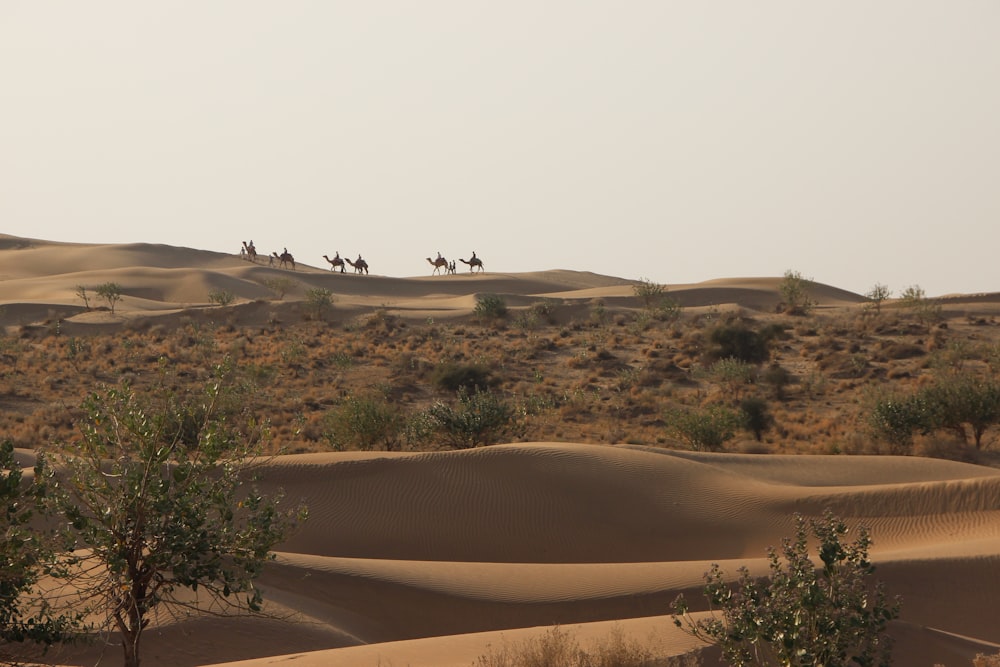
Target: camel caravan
(360,266)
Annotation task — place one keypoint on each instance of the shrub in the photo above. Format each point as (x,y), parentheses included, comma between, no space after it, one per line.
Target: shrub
(740,342)
(777,377)
(280,285)
(81,293)
(961,401)
(26,553)
(221,297)
(557,648)
(366,422)
(798,615)
(477,418)
(795,293)
(655,300)
(756,416)
(490,307)
(110,292)
(703,430)
(732,374)
(896,418)
(318,301)
(915,300)
(453,377)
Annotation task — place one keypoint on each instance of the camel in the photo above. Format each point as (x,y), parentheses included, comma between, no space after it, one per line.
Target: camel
(475,262)
(283,259)
(360,265)
(250,251)
(437,264)
(335,262)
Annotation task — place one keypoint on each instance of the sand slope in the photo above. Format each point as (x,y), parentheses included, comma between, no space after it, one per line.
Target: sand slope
(406,557)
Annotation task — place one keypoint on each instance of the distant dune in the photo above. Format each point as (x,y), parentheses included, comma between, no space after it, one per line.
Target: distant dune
(426,559)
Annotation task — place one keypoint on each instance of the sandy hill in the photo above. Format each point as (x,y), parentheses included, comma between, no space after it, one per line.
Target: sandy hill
(427,559)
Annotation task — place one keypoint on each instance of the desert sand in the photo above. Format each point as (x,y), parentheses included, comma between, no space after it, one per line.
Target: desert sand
(427,559)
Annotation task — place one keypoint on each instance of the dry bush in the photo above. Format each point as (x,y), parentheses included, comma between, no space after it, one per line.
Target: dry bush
(558,648)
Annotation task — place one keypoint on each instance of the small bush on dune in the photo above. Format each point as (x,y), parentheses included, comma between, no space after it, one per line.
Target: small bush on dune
(703,430)
(453,377)
(738,341)
(366,421)
(557,648)
(490,307)
(798,615)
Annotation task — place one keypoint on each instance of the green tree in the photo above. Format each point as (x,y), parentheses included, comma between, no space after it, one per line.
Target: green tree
(110,292)
(795,295)
(799,616)
(964,401)
(895,418)
(27,553)
(164,507)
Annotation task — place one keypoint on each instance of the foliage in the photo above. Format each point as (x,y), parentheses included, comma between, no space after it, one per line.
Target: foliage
(490,307)
(756,416)
(365,421)
(110,292)
(799,616)
(738,341)
(795,296)
(477,418)
(221,297)
(162,508)
(26,555)
(777,377)
(896,418)
(280,285)
(877,294)
(557,648)
(915,300)
(655,300)
(964,400)
(703,430)
(453,377)
(732,374)
(318,301)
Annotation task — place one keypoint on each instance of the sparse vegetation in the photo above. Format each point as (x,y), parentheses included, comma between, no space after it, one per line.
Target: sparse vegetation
(705,429)
(877,294)
(558,648)
(477,418)
(173,510)
(81,293)
(795,297)
(221,297)
(800,615)
(490,307)
(366,421)
(318,302)
(280,285)
(110,292)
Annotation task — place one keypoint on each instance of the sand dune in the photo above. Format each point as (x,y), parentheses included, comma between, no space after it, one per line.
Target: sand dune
(426,559)
(406,557)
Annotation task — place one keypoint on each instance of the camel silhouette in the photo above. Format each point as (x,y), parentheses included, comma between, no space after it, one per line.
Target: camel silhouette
(335,262)
(438,264)
(251,252)
(360,265)
(284,259)
(475,262)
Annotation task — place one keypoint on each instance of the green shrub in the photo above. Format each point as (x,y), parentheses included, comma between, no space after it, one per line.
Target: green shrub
(365,421)
(896,418)
(926,310)
(475,419)
(490,307)
(962,402)
(703,430)
(795,296)
(732,374)
(220,297)
(318,302)
(799,616)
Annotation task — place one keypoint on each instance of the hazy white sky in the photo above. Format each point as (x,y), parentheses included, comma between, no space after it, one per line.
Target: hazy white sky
(856,141)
